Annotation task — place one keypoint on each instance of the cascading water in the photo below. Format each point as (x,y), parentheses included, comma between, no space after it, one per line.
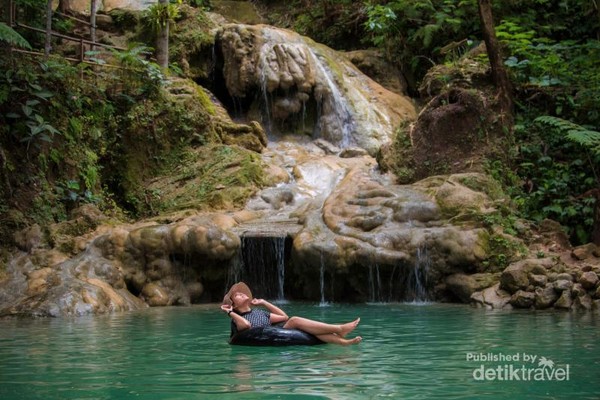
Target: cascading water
(416,290)
(323,302)
(375,288)
(334,118)
(263,266)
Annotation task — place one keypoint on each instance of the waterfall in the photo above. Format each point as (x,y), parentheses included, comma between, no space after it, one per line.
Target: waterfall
(334,106)
(417,277)
(263,266)
(335,117)
(323,302)
(375,290)
(279,247)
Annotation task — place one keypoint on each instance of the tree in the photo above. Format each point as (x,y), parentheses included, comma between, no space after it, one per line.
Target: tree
(48,43)
(159,16)
(93,22)
(162,36)
(499,74)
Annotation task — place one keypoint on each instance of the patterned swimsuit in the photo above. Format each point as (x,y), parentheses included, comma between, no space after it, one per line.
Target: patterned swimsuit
(257,319)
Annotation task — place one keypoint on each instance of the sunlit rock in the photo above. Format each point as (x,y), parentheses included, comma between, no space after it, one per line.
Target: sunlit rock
(308,87)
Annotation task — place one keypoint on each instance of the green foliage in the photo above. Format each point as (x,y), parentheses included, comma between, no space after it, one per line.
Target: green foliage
(10,36)
(553,52)
(414,32)
(159,14)
(577,133)
(138,75)
(24,98)
(555,173)
(336,23)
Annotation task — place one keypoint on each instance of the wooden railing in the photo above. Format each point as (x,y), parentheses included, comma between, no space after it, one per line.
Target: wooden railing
(14,23)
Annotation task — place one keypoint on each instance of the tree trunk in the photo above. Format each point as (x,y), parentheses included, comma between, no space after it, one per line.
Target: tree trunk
(162,40)
(499,73)
(64,6)
(93,23)
(596,228)
(48,44)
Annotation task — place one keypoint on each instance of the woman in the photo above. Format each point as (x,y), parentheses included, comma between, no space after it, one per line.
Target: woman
(236,304)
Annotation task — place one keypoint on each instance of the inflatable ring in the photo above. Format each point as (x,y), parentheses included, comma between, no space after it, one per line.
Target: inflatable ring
(273,336)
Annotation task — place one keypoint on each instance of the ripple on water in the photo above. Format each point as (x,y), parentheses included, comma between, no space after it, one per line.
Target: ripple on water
(416,352)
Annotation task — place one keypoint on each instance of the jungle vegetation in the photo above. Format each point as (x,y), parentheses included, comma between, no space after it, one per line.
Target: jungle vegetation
(67,131)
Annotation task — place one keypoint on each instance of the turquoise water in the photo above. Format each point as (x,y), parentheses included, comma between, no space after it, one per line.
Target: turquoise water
(409,352)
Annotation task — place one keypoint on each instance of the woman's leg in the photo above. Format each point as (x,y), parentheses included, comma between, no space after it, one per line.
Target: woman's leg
(335,339)
(320,328)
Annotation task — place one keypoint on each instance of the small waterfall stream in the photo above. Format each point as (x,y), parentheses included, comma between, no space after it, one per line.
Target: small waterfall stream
(263,266)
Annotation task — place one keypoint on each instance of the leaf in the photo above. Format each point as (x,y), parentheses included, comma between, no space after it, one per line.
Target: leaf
(10,36)
(43,94)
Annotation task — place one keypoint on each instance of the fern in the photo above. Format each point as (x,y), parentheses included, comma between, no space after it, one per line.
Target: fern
(574,132)
(10,36)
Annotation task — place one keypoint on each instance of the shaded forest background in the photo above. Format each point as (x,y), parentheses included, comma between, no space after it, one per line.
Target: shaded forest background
(74,134)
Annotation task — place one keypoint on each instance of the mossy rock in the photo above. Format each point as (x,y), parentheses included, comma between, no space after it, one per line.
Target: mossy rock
(208,178)
(460,194)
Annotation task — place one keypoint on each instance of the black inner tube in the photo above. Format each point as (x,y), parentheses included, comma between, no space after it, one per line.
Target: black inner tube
(273,336)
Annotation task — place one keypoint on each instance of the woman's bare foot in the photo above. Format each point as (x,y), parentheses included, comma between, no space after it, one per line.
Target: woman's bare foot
(348,342)
(349,327)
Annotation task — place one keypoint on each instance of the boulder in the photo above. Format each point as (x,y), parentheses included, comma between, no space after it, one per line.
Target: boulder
(538,280)
(545,297)
(522,299)
(517,275)
(585,251)
(563,285)
(463,286)
(589,280)
(584,302)
(492,297)
(565,301)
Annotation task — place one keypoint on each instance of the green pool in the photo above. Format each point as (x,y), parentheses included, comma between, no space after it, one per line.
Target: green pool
(410,351)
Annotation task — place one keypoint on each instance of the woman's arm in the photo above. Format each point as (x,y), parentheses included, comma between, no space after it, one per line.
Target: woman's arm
(240,322)
(277,314)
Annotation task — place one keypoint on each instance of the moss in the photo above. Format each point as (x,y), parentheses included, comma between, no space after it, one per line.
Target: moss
(192,43)
(482,183)
(209,177)
(398,156)
(502,250)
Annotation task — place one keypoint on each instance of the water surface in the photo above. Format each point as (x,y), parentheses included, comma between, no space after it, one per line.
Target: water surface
(409,352)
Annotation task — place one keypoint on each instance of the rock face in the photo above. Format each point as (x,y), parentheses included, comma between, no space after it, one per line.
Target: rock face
(123,268)
(307,87)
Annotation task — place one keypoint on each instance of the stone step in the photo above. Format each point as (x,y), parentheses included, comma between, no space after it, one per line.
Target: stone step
(269,228)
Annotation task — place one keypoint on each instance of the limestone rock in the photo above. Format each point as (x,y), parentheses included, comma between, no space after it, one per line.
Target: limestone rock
(30,238)
(329,148)
(351,152)
(545,297)
(299,75)
(374,64)
(492,297)
(563,285)
(522,299)
(463,286)
(516,276)
(538,280)
(589,280)
(565,300)
(514,279)
(585,251)
(583,302)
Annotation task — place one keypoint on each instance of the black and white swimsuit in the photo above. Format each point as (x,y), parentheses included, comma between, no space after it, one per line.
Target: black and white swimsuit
(257,319)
